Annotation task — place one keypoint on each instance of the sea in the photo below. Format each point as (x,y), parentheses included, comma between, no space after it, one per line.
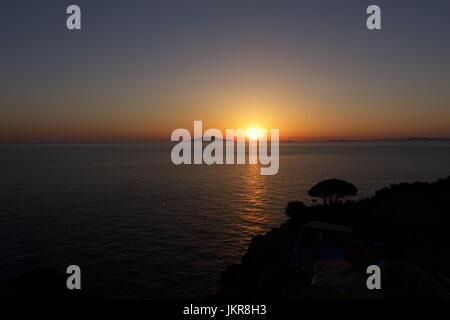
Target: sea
(141,227)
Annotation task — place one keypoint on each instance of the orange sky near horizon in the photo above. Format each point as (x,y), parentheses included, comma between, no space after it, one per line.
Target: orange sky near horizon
(307,111)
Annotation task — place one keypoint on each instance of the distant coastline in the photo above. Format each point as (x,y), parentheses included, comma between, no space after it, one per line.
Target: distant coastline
(390,139)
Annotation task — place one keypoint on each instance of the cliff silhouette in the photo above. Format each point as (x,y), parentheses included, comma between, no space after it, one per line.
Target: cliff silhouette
(322,251)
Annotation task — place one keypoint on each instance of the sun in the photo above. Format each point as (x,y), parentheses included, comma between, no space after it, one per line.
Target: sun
(253,133)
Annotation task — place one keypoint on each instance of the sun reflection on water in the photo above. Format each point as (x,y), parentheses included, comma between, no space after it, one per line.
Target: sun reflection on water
(253,216)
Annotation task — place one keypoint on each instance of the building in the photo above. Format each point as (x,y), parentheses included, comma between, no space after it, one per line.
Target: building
(320,231)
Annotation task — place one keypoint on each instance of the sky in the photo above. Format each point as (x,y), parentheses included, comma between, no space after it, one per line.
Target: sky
(140,69)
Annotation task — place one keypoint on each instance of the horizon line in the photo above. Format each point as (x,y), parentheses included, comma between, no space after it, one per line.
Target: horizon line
(284,140)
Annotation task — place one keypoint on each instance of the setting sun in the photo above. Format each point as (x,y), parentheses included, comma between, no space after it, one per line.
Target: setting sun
(253,133)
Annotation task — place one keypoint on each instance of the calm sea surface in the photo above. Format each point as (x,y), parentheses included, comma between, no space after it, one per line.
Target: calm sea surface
(141,227)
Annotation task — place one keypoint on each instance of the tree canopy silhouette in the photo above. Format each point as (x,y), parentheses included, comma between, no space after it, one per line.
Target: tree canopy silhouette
(331,190)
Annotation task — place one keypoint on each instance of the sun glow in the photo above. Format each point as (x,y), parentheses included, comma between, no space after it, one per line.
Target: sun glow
(253,133)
